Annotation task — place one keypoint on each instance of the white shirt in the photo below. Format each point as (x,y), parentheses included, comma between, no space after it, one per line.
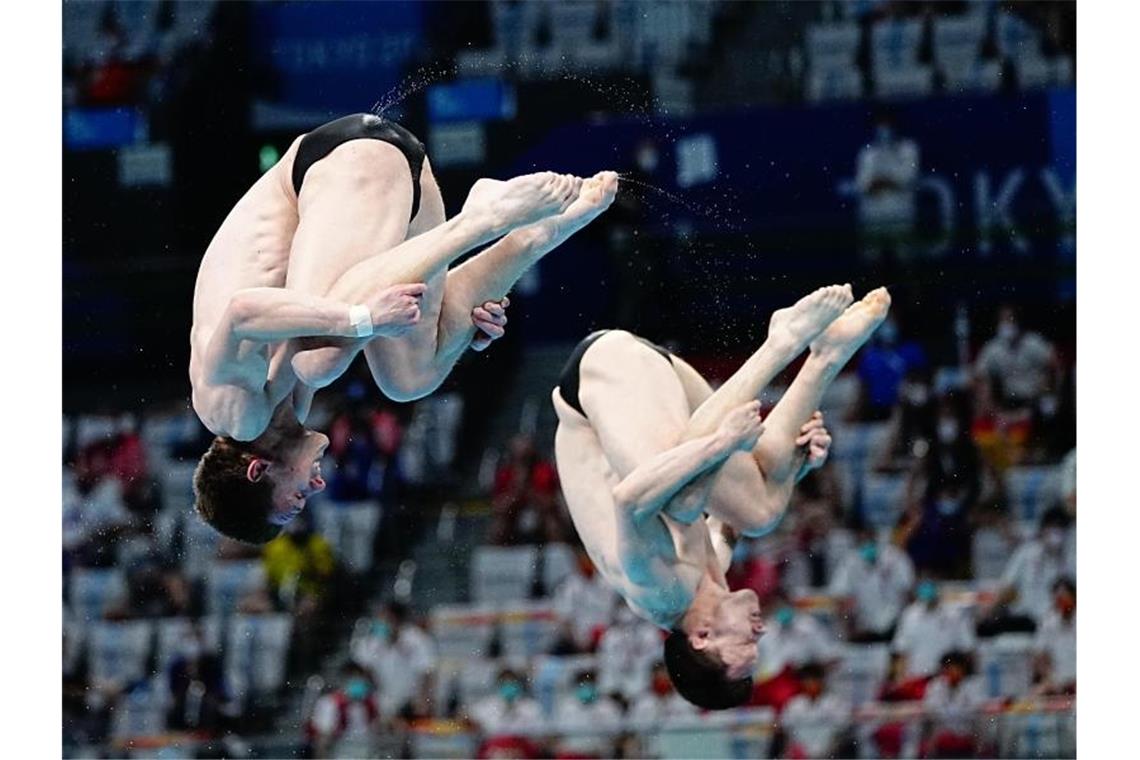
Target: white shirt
(1057,638)
(585,725)
(895,162)
(584,603)
(1032,571)
(326,718)
(805,639)
(925,635)
(651,708)
(880,590)
(398,666)
(494,715)
(957,710)
(626,654)
(1023,367)
(814,724)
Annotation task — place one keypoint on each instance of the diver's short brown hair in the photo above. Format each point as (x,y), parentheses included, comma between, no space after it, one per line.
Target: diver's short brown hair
(700,677)
(227,500)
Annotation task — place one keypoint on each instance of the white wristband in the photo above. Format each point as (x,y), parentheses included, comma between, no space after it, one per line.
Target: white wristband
(361,320)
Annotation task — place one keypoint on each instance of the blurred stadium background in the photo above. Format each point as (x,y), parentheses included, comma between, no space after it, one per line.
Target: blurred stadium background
(921,592)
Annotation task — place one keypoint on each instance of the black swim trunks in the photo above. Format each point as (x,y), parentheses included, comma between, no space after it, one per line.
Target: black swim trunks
(322,140)
(570,379)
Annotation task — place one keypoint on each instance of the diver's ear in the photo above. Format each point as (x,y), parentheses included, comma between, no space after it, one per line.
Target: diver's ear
(700,637)
(256,470)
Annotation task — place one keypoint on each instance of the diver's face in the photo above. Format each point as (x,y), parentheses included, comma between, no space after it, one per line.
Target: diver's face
(736,627)
(297,476)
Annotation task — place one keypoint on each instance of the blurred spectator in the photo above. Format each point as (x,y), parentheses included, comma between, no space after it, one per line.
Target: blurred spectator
(198,690)
(912,424)
(1055,643)
(886,177)
(928,629)
(1018,376)
(793,638)
(883,364)
(661,702)
(813,721)
(363,444)
(525,498)
(1029,576)
(626,654)
(299,565)
(584,604)
(875,579)
(402,659)
(348,718)
(589,719)
(953,702)
(1019,368)
(1068,484)
(509,709)
(946,484)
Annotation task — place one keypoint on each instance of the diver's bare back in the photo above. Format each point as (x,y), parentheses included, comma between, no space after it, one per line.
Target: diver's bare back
(249,250)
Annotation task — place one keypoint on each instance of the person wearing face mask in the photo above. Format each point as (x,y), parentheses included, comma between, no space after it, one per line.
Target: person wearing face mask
(928,629)
(813,721)
(953,703)
(1055,643)
(886,177)
(874,581)
(626,652)
(912,422)
(508,709)
(402,658)
(346,720)
(793,638)
(661,702)
(883,365)
(588,719)
(1029,576)
(1020,374)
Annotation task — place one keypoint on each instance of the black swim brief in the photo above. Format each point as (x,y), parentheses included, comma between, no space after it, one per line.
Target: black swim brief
(569,380)
(324,139)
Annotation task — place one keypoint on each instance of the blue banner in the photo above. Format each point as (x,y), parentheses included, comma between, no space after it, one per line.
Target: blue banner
(336,56)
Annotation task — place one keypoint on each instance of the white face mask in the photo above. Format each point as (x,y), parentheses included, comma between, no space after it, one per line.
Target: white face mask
(1053,538)
(1007,331)
(916,394)
(948,430)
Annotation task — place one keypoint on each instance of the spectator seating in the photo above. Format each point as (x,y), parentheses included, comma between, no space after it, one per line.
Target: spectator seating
(118,651)
(736,733)
(861,672)
(1031,490)
(832,46)
(143,711)
(1038,734)
(462,631)
(527,629)
(173,631)
(200,546)
(95,591)
(903,81)
(554,676)
(1005,664)
(176,478)
(834,84)
(957,41)
(502,573)
(883,496)
(895,44)
(558,561)
(227,582)
(256,646)
(853,449)
(990,552)
(350,527)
